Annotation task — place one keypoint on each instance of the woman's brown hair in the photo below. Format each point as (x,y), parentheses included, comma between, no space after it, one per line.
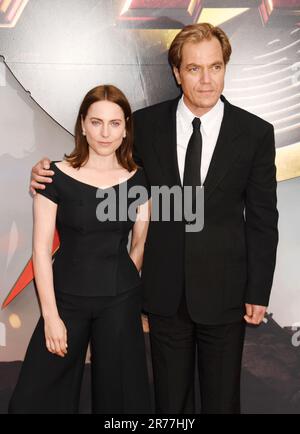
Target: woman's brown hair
(197,33)
(80,153)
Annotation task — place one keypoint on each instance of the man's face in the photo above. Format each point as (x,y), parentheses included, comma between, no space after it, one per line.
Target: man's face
(201,75)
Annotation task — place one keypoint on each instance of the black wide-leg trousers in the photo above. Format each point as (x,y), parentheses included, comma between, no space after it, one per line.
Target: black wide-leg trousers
(174,342)
(51,384)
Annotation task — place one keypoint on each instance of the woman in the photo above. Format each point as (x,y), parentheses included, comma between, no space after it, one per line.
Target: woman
(92,293)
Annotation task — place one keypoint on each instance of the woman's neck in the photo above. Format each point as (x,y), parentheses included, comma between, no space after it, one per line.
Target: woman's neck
(102,163)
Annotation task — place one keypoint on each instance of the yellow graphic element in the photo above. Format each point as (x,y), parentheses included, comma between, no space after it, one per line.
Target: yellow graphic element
(271,6)
(165,37)
(5,5)
(13,10)
(126,6)
(288,162)
(192,6)
(217,16)
(14,321)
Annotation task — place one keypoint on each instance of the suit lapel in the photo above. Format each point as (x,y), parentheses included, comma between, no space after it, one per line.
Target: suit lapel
(165,144)
(226,149)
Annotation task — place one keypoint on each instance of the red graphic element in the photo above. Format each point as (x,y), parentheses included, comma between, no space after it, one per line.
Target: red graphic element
(172,14)
(10,12)
(27,275)
(278,8)
(285,3)
(160,13)
(159,4)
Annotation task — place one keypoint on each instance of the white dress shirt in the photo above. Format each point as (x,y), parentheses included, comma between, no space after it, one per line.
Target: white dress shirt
(210,129)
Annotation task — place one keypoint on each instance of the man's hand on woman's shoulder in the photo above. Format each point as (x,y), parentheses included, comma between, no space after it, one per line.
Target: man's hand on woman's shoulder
(40,175)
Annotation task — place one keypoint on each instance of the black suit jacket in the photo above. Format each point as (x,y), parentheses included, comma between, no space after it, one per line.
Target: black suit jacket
(231,261)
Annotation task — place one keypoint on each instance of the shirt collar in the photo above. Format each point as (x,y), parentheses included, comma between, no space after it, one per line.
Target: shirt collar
(208,121)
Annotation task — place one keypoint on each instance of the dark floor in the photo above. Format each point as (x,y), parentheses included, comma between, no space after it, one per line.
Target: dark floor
(270,378)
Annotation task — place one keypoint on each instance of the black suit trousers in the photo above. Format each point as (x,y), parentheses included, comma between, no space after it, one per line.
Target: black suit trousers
(174,342)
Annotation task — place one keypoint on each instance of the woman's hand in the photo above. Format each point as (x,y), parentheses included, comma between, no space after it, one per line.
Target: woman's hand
(56,336)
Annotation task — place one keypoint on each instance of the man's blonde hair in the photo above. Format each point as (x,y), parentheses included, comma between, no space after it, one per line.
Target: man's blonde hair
(197,33)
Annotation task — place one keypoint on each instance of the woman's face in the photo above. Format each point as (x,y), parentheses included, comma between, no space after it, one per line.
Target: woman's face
(104,126)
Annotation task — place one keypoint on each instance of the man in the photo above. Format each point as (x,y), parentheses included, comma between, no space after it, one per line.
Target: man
(200,288)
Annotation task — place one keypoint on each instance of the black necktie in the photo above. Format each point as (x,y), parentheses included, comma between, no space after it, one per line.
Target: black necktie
(192,164)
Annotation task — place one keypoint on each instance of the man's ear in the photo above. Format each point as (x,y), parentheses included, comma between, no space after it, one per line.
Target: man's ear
(177,75)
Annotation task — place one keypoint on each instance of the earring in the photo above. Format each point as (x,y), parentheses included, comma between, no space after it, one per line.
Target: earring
(83,133)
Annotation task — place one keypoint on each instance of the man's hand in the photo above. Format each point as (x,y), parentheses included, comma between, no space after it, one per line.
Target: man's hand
(254,313)
(39,174)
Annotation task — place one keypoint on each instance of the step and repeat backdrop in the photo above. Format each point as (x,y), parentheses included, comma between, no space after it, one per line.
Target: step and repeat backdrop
(52,52)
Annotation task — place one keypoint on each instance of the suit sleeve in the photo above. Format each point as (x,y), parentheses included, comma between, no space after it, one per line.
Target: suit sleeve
(137,141)
(146,185)
(261,222)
